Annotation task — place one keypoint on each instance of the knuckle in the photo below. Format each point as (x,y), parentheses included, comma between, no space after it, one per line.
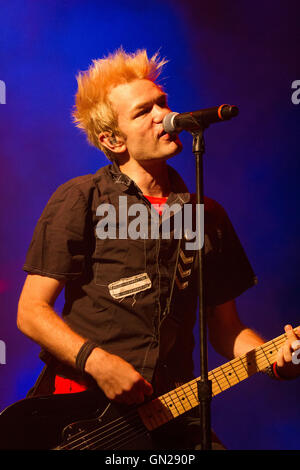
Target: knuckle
(137,378)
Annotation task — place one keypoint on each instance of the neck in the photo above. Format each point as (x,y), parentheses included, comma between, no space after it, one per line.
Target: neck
(151,177)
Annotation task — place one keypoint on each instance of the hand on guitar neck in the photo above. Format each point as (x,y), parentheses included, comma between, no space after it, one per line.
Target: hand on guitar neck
(287,367)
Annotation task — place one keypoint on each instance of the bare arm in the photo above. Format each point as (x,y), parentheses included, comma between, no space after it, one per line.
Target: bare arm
(227,334)
(38,320)
(231,338)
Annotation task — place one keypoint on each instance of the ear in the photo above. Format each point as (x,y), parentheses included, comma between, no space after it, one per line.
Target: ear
(113,143)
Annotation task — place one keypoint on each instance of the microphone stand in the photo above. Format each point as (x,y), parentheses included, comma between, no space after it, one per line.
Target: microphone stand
(204,385)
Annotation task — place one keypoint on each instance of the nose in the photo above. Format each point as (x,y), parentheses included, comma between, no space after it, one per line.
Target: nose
(159,113)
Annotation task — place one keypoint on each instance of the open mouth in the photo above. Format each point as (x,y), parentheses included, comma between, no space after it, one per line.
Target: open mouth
(169,137)
(161,134)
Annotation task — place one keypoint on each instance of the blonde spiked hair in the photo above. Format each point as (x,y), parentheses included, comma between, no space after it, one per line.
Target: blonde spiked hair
(93,112)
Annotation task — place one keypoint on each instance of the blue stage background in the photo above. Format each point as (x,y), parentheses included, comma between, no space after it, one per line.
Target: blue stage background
(244,53)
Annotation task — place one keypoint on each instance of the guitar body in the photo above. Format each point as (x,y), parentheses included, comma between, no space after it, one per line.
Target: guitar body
(88,420)
(85,420)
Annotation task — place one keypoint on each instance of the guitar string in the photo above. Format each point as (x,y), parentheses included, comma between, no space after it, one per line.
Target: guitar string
(126,441)
(118,432)
(80,435)
(92,442)
(127,419)
(97,430)
(260,353)
(236,358)
(92,435)
(218,373)
(94,431)
(141,433)
(108,434)
(139,430)
(119,440)
(119,444)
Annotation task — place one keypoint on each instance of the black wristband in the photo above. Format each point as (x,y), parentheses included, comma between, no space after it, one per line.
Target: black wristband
(83,354)
(272,372)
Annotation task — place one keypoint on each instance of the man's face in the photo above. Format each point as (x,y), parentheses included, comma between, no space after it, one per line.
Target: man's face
(141,106)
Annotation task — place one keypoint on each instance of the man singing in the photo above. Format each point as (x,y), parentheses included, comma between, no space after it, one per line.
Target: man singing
(130,303)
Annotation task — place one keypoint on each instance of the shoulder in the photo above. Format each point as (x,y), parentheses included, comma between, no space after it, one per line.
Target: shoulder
(80,187)
(213,210)
(78,195)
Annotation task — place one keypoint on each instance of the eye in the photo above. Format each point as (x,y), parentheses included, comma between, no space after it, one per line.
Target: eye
(143,111)
(162,102)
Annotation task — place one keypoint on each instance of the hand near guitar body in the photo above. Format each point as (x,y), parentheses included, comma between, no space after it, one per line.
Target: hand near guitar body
(117,378)
(123,384)
(37,319)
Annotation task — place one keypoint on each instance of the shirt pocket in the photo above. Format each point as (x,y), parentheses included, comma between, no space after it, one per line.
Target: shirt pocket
(115,259)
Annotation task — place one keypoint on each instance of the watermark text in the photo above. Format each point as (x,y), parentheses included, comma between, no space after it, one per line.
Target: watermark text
(2,352)
(2,92)
(139,222)
(296,94)
(296,353)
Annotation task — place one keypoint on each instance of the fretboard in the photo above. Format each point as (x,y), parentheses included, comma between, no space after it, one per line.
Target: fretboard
(184,398)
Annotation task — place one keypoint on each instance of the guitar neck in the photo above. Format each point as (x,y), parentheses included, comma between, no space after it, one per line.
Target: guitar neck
(184,398)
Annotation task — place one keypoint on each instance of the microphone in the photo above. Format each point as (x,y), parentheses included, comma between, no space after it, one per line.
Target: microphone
(196,120)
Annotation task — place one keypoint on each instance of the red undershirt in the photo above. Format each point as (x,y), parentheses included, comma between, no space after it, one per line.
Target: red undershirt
(63,385)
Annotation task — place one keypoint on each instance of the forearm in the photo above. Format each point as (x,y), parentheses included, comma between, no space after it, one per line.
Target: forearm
(228,335)
(117,378)
(236,342)
(246,340)
(38,320)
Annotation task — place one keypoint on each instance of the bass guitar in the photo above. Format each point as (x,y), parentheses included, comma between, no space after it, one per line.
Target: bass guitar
(88,420)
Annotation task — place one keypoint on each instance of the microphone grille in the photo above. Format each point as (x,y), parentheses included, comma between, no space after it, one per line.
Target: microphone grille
(168,123)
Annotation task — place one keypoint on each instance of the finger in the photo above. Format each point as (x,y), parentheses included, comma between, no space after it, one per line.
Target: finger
(136,394)
(144,388)
(280,360)
(125,398)
(147,388)
(296,357)
(295,345)
(140,398)
(290,334)
(287,353)
(133,398)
